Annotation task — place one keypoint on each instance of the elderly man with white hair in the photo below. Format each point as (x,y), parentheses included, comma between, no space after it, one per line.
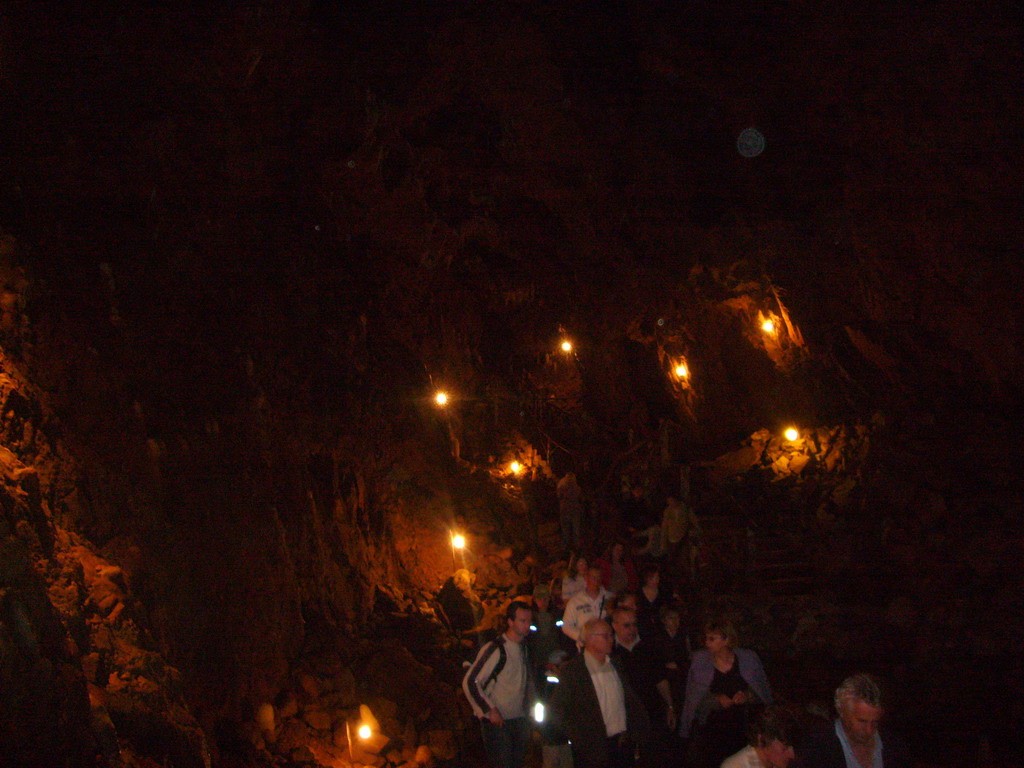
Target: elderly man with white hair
(594,706)
(856,739)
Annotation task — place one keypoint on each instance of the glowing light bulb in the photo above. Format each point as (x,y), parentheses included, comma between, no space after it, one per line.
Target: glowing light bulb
(768,326)
(441,398)
(364,731)
(538,712)
(792,434)
(567,346)
(458,541)
(515,467)
(682,371)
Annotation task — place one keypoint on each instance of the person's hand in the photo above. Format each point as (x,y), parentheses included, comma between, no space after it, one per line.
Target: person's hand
(724,701)
(495,717)
(741,697)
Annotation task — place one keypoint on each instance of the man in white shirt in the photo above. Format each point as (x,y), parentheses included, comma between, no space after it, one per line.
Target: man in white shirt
(771,741)
(595,707)
(586,605)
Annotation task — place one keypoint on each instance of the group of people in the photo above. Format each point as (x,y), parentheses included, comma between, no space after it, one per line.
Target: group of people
(603,648)
(612,706)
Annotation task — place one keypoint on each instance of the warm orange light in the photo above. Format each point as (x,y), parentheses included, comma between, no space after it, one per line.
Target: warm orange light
(441,398)
(768,326)
(458,541)
(682,371)
(515,467)
(365,731)
(566,346)
(792,434)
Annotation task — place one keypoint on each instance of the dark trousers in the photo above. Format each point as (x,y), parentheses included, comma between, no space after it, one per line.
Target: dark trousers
(505,745)
(621,754)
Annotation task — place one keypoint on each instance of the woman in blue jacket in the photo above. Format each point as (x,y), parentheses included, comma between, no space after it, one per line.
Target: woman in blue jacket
(724,685)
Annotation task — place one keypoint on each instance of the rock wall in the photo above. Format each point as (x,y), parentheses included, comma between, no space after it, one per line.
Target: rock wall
(240,548)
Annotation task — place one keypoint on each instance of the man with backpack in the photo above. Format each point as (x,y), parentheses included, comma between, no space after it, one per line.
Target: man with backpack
(499,686)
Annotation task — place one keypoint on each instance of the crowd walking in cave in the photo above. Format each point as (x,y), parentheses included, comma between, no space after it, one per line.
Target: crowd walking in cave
(606,662)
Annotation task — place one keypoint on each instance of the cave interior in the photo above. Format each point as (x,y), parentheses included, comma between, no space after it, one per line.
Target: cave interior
(244,246)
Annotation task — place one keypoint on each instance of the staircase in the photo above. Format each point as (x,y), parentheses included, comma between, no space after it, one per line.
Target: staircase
(766,555)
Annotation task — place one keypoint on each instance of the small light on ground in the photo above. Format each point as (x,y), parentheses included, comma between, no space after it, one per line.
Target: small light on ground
(792,434)
(441,398)
(515,467)
(768,326)
(682,371)
(364,731)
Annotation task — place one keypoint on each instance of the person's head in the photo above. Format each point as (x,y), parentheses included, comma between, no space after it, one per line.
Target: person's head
(626,600)
(596,637)
(593,578)
(624,624)
(773,734)
(463,580)
(579,566)
(650,576)
(518,615)
(616,551)
(542,596)
(670,619)
(556,591)
(860,707)
(720,634)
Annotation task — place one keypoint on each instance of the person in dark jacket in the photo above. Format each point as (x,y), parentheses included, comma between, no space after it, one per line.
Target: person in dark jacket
(856,739)
(596,708)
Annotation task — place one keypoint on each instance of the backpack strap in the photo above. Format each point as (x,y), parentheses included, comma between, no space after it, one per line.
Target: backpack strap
(474,690)
(500,665)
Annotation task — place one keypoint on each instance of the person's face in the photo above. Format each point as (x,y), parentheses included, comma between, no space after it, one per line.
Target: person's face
(776,754)
(715,642)
(599,641)
(625,627)
(617,551)
(519,626)
(654,579)
(628,602)
(671,624)
(581,566)
(593,579)
(860,721)
(542,603)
